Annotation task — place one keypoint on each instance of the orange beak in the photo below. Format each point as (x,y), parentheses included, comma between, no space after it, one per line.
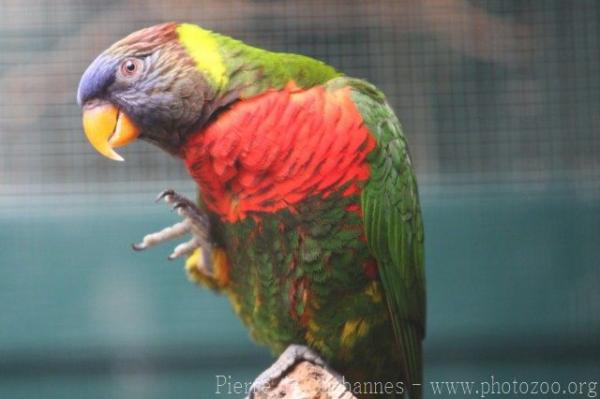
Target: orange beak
(106,127)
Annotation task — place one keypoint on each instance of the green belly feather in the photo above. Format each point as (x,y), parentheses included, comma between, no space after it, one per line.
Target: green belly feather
(298,277)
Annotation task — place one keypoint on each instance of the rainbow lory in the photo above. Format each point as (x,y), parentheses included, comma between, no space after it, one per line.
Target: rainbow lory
(307,217)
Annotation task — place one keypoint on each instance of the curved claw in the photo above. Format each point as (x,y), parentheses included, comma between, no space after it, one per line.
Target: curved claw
(180,205)
(163,194)
(138,247)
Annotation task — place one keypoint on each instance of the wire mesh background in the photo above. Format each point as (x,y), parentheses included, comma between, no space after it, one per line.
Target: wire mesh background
(488,92)
(498,99)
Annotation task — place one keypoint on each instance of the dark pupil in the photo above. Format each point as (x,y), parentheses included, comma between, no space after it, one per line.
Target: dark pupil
(130,66)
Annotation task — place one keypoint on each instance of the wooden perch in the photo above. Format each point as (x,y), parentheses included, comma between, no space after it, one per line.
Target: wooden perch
(307,381)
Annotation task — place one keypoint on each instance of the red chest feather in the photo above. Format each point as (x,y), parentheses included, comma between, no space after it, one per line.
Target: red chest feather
(270,152)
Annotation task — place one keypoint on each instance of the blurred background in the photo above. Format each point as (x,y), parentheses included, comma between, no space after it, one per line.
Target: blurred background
(500,101)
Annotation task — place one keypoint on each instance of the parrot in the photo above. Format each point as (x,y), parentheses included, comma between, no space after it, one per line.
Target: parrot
(307,216)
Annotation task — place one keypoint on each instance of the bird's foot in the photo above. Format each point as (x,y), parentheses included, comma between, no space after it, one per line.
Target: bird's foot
(291,356)
(195,222)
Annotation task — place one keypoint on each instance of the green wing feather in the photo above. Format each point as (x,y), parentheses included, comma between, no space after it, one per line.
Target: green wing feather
(393,225)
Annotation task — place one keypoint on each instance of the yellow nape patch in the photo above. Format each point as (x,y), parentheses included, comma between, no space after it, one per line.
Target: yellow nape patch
(203,47)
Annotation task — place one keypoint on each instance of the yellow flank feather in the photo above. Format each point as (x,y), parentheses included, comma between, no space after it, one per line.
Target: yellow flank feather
(312,332)
(203,47)
(373,291)
(220,277)
(220,266)
(191,263)
(236,304)
(353,330)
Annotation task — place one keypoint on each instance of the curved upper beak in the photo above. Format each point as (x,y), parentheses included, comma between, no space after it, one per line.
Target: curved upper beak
(107,127)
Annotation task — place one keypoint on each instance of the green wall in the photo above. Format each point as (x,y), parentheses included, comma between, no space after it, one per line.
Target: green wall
(512,279)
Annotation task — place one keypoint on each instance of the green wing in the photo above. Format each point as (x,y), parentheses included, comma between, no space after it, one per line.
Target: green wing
(393,225)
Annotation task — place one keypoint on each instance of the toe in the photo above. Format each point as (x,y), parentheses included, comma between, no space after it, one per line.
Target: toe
(138,247)
(164,194)
(185,248)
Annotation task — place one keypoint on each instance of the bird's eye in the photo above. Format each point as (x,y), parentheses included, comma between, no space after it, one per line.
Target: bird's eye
(131,67)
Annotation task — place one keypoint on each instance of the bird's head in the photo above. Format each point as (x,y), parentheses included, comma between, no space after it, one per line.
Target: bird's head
(156,84)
